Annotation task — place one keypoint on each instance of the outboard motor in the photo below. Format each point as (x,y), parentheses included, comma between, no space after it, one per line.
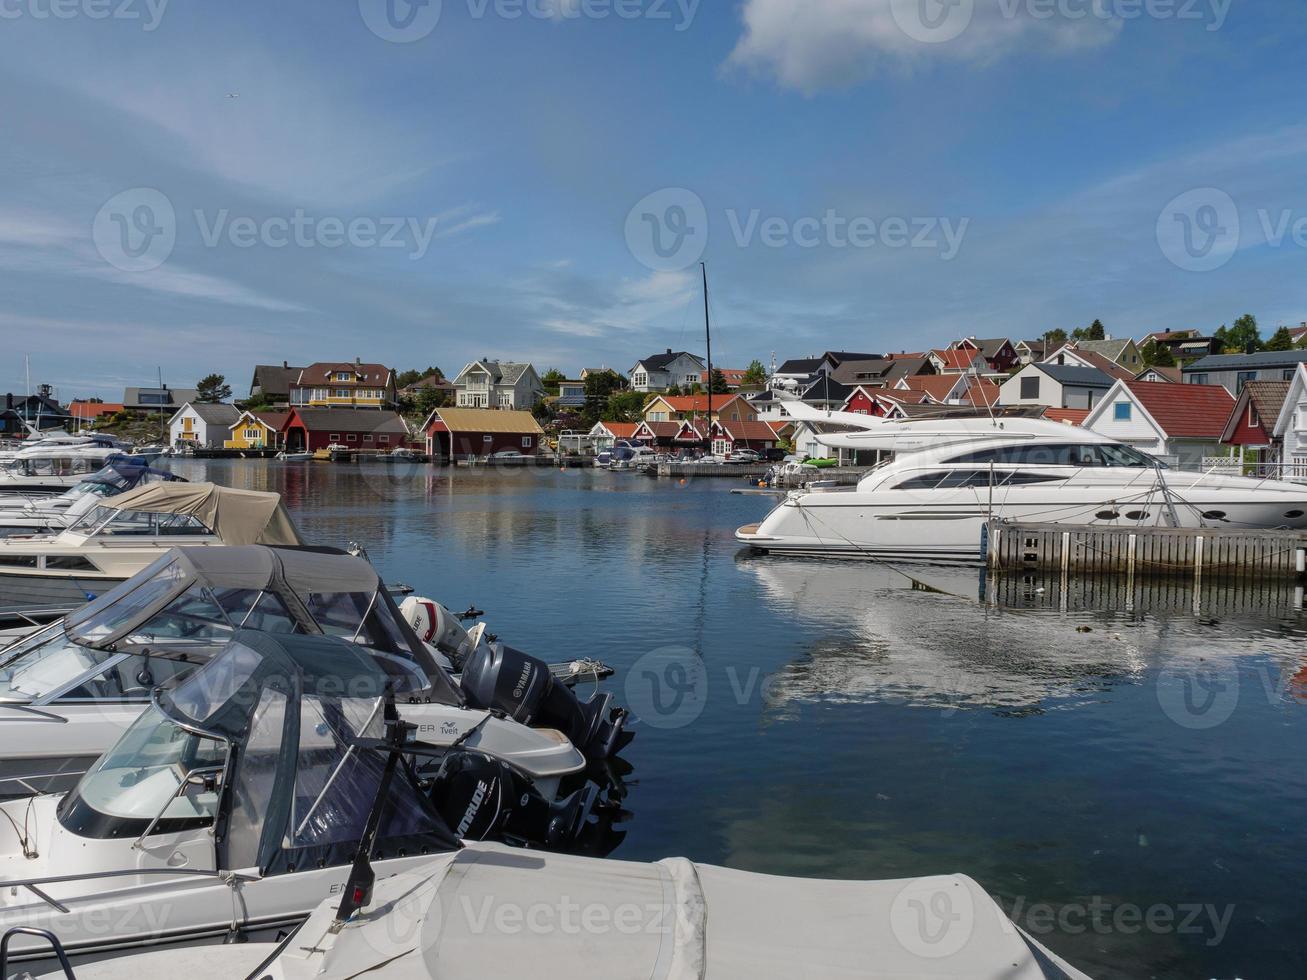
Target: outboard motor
(435,624)
(499,678)
(485,799)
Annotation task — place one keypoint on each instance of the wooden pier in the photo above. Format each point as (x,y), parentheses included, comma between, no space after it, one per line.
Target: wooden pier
(1147,551)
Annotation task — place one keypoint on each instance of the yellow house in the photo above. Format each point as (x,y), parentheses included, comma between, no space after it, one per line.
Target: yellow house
(261,431)
(344,385)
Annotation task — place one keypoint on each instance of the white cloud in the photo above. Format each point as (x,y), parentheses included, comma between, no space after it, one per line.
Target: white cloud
(814,44)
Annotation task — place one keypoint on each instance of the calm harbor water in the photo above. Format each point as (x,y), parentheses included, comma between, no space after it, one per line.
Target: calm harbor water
(1130,784)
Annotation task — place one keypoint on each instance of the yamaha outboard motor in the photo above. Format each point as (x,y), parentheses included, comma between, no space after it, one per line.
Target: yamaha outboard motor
(483,798)
(499,678)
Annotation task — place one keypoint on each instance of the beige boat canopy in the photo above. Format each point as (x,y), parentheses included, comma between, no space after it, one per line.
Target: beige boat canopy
(236,516)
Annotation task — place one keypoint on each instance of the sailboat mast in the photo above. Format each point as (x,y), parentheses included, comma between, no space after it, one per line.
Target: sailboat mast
(707,332)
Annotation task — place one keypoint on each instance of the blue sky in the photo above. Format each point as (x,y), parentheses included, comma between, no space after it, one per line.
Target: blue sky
(1018,169)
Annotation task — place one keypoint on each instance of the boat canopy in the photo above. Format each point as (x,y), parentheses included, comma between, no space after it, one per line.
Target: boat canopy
(236,516)
(298,791)
(127,472)
(201,596)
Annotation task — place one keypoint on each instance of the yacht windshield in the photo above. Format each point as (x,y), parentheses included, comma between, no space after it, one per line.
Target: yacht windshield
(45,664)
(142,777)
(106,520)
(1060,454)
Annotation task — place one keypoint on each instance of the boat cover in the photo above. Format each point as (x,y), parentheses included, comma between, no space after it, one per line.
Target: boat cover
(298,791)
(236,516)
(292,574)
(491,911)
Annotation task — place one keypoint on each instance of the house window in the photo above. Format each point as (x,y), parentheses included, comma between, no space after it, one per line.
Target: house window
(1030,387)
(251,433)
(334,437)
(1122,412)
(341,392)
(487,438)
(1286,374)
(1244,377)
(351,437)
(1253,420)
(640,378)
(383,438)
(527,442)
(368,437)
(342,375)
(1198,379)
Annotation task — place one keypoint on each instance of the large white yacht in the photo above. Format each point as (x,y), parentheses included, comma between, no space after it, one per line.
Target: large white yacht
(948,476)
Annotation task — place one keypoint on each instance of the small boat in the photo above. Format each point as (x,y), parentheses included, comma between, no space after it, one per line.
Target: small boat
(294,457)
(28,514)
(46,469)
(400,455)
(123,535)
(241,795)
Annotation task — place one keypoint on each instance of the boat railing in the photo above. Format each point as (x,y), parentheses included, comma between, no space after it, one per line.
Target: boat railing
(45,934)
(36,885)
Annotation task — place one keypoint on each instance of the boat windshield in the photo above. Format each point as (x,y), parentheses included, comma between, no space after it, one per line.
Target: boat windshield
(142,777)
(108,521)
(52,667)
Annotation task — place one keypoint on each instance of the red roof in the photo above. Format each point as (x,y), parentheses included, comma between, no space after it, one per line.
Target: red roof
(936,386)
(1105,364)
(957,359)
(734,376)
(622,430)
(697,403)
(748,431)
(1071,416)
(981,391)
(1196,411)
(93,410)
(660,430)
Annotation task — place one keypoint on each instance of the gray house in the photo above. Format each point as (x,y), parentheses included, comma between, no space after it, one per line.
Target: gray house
(1233,371)
(161,399)
(1056,386)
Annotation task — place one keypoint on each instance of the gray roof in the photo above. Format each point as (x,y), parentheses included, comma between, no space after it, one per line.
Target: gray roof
(857,372)
(989,347)
(274,379)
(216,414)
(657,362)
(806,365)
(177,397)
(1108,348)
(352,420)
(1081,377)
(1248,362)
(503,372)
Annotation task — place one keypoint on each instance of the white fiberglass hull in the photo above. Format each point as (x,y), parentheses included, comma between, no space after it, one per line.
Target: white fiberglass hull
(946,525)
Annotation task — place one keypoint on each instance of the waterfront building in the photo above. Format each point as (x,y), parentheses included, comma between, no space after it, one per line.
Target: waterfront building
(658,372)
(674,408)
(606,434)
(1180,424)
(511,385)
(344,384)
(201,425)
(1251,425)
(256,430)
(472,433)
(307,429)
(1029,351)
(89,411)
(40,410)
(157,400)
(1291,427)
(727,436)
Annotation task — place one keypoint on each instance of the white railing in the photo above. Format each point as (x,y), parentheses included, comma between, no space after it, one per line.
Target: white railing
(1224,465)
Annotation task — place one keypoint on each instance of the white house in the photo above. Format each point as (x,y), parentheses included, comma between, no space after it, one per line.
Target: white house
(1291,427)
(1056,386)
(498,384)
(658,372)
(202,426)
(1181,424)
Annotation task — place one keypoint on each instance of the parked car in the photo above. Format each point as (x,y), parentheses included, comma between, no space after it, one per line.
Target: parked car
(744,456)
(775,455)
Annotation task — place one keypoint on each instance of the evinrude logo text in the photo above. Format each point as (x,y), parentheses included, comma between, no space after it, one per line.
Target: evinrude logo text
(478,798)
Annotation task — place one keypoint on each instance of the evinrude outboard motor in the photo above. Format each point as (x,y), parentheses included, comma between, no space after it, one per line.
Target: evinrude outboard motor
(435,624)
(499,678)
(485,799)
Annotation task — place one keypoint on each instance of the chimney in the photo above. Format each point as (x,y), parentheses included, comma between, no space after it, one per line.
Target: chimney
(285,365)
(669,350)
(358,361)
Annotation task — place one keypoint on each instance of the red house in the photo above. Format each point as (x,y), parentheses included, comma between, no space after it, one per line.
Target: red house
(1252,420)
(471,433)
(359,429)
(729,436)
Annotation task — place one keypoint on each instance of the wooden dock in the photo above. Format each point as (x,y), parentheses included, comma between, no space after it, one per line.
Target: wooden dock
(1147,551)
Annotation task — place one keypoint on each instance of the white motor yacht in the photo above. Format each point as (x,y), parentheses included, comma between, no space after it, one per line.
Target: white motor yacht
(124,534)
(42,469)
(949,476)
(236,802)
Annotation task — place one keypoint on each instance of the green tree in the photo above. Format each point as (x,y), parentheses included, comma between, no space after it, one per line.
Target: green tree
(405,378)
(1244,335)
(213,388)
(1095,331)
(1158,355)
(1280,340)
(755,373)
(624,406)
(718,382)
(674,390)
(1053,339)
(551,379)
(428,400)
(598,387)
